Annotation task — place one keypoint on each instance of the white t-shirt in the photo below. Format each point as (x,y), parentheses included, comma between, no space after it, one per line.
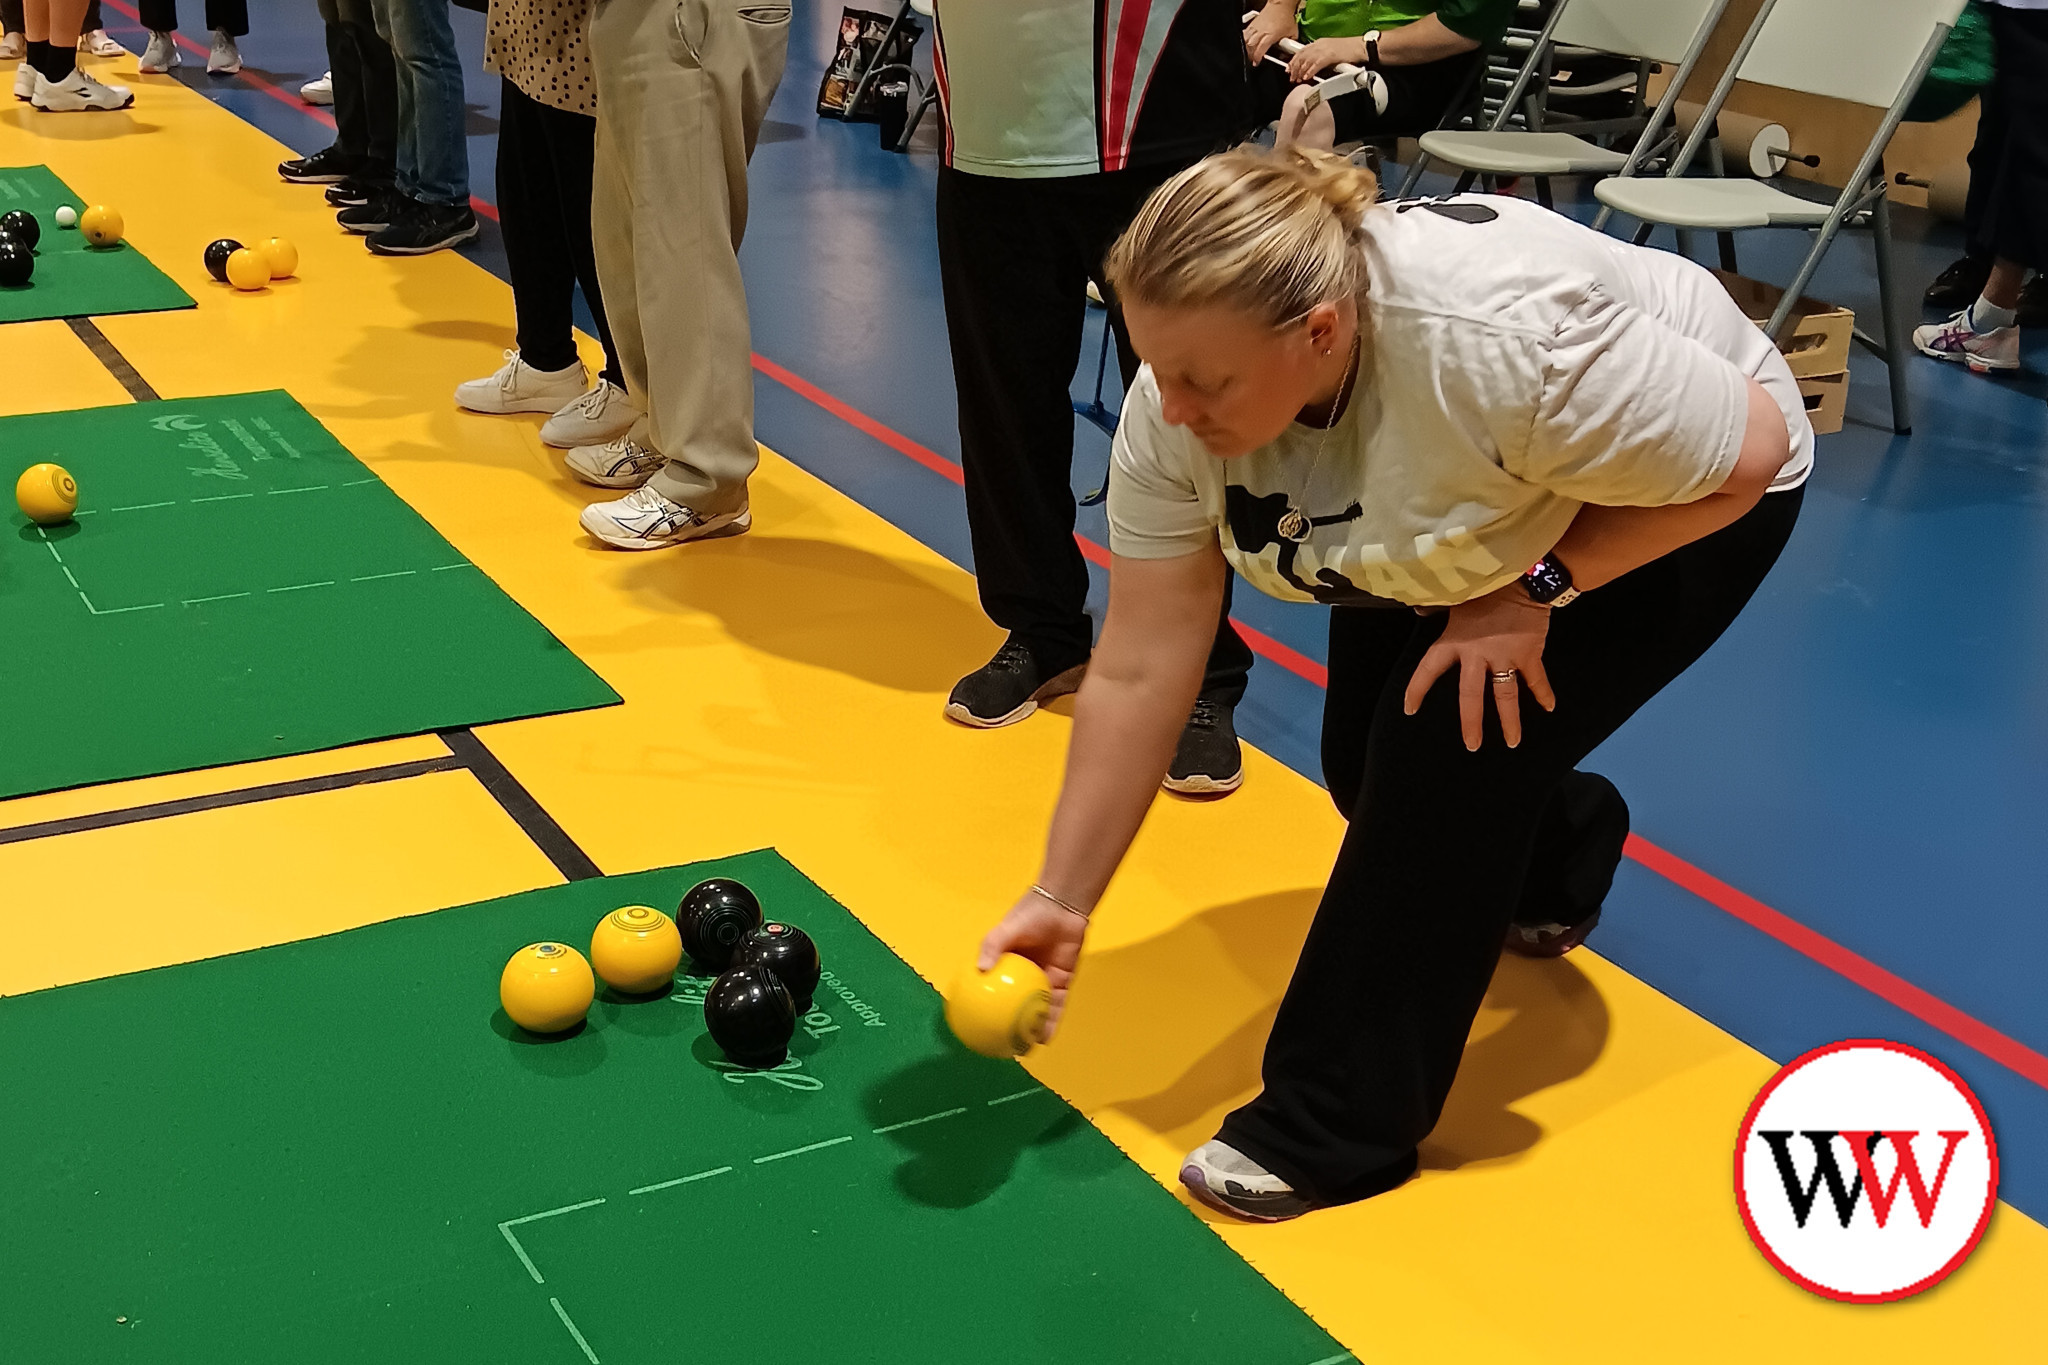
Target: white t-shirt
(1518,365)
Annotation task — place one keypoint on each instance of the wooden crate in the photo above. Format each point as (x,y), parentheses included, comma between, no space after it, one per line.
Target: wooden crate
(1826,396)
(1818,343)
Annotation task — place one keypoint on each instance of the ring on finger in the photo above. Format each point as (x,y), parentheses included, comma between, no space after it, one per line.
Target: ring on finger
(1502,675)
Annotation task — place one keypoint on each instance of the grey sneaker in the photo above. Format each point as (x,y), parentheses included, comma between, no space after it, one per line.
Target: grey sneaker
(159,54)
(1208,761)
(225,59)
(1230,1182)
(1008,688)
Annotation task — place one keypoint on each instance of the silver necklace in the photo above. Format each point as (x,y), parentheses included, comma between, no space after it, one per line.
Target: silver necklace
(1294,523)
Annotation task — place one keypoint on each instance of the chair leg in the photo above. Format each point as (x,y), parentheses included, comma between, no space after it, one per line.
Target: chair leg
(1727,240)
(1895,355)
(1465,182)
(1543,192)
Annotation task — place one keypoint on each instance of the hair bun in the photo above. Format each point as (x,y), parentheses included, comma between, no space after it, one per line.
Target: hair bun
(1349,189)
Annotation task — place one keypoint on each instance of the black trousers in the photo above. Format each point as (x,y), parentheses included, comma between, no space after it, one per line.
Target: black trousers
(1015,258)
(544,167)
(162,15)
(365,84)
(1418,97)
(2007,211)
(1446,846)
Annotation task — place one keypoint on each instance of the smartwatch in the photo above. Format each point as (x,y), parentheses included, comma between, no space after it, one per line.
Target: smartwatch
(1549,583)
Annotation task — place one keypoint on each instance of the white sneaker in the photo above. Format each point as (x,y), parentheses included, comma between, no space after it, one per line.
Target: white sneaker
(319,90)
(24,82)
(13,47)
(98,44)
(592,419)
(78,92)
(645,520)
(159,55)
(518,387)
(226,58)
(618,463)
(1959,339)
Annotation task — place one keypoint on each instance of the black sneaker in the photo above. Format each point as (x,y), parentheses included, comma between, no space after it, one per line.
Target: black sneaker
(1549,940)
(425,228)
(1007,688)
(1960,284)
(356,190)
(1208,761)
(386,206)
(2033,306)
(325,167)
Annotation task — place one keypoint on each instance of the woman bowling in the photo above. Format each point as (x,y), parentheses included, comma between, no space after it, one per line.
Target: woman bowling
(1533,471)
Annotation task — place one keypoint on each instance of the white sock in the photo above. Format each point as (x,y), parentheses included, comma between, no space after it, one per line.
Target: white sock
(1986,316)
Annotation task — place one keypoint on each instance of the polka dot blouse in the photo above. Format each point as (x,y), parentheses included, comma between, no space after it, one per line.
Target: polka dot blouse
(541,46)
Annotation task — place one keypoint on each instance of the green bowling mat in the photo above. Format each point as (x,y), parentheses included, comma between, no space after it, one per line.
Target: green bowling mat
(341,1151)
(74,279)
(238,586)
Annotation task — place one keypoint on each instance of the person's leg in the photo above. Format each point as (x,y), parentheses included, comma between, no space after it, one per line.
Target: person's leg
(58,86)
(613,36)
(537,253)
(571,140)
(1015,298)
(158,16)
(351,115)
(423,41)
(684,94)
(1439,855)
(228,16)
(376,79)
(405,148)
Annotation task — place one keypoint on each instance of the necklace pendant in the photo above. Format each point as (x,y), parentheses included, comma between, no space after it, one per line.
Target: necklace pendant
(1293,525)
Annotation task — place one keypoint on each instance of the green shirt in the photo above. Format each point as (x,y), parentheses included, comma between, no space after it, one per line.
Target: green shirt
(1483,21)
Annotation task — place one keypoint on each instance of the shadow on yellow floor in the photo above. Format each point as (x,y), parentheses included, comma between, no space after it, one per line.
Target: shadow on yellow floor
(785,689)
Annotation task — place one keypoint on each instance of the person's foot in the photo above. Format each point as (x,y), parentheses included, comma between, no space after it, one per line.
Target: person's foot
(1960,284)
(385,206)
(360,187)
(159,54)
(645,520)
(319,90)
(1548,940)
(77,93)
(1996,349)
(328,166)
(24,82)
(617,463)
(225,59)
(1230,1182)
(596,417)
(518,387)
(1208,761)
(426,228)
(98,44)
(13,47)
(1008,688)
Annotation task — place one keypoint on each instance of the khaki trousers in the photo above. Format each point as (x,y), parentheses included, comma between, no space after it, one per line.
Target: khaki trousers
(683,86)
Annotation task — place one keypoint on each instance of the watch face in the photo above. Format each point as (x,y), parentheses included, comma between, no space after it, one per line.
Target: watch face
(1546,580)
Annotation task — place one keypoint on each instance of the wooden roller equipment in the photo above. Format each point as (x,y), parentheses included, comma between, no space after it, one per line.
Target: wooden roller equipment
(1948,189)
(1752,145)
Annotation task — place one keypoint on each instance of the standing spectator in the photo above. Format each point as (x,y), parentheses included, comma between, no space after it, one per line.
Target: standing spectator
(428,208)
(229,20)
(1048,154)
(682,92)
(363,87)
(2006,218)
(48,76)
(547,128)
(93,41)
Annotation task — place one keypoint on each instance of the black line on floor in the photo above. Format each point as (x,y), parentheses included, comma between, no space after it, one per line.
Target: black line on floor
(246,796)
(110,356)
(567,856)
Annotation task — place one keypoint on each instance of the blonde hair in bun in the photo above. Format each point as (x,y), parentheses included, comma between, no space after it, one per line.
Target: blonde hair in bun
(1271,234)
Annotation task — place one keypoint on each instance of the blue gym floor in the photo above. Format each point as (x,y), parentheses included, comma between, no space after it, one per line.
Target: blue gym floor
(1866,752)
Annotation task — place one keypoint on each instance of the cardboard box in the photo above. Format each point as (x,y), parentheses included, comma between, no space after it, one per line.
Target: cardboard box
(1817,344)
(1826,395)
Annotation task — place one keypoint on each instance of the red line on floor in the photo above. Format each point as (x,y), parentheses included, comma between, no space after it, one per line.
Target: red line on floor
(1929,1009)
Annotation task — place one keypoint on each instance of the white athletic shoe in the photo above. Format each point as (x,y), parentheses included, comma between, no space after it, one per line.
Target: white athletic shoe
(592,419)
(98,44)
(1996,349)
(78,92)
(618,463)
(319,90)
(159,54)
(226,58)
(518,387)
(25,82)
(13,47)
(645,520)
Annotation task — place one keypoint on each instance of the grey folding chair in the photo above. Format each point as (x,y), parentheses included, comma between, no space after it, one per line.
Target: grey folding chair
(1673,32)
(1869,52)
